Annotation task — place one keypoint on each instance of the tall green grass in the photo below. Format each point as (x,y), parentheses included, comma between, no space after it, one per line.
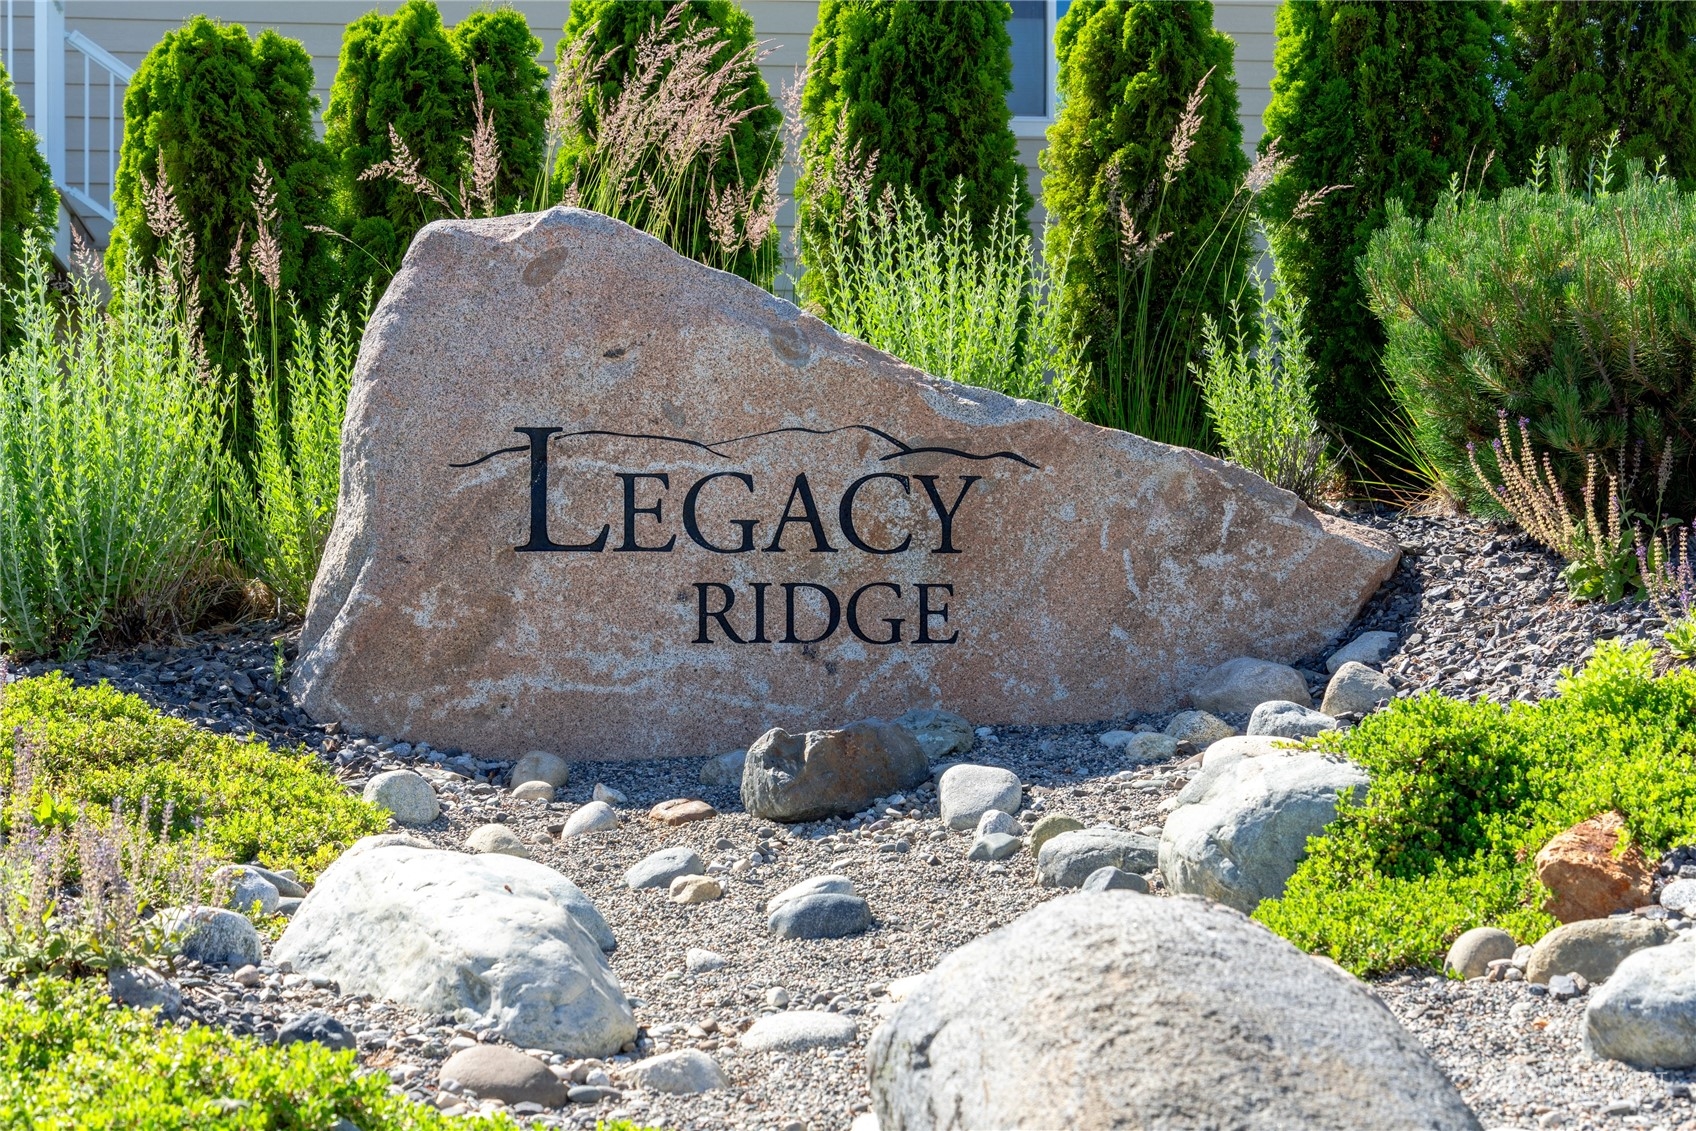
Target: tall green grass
(972,306)
(109,451)
(280,503)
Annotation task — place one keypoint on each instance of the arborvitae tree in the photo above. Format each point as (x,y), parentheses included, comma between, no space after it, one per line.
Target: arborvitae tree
(214,103)
(597,58)
(408,73)
(1589,68)
(923,88)
(396,72)
(1391,100)
(497,46)
(29,205)
(1151,216)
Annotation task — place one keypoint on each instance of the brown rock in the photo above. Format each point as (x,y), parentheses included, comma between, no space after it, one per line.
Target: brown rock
(1586,879)
(681,811)
(801,777)
(579,467)
(695,889)
(498,1072)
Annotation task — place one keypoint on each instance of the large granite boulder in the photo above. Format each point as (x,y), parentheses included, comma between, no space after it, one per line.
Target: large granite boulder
(1112,1009)
(489,938)
(1645,1014)
(1241,825)
(602,500)
(802,777)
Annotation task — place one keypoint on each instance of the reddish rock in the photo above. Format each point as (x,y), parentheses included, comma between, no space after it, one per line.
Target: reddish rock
(1586,877)
(681,811)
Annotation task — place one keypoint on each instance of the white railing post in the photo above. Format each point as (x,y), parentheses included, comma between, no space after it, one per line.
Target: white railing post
(50,83)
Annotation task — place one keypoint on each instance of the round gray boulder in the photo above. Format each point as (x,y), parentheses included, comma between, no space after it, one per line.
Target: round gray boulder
(405,795)
(1280,719)
(247,887)
(1471,954)
(539,765)
(684,1072)
(499,1072)
(658,869)
(1238,686)
(827,916)
(1123,1011)
(1242,825)
(1356,689)
(595,817)
(214,935)
(495,838)
(1067,860)
(1645,1013)
(967,792)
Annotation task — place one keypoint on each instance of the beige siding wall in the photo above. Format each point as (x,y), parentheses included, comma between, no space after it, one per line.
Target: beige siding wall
(130,28)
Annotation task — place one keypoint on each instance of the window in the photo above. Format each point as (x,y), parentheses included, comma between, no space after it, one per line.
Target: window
(1032,98)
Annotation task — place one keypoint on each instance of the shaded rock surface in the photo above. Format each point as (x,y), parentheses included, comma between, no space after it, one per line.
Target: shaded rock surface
(1237,687)
(1645,1014)
(801,777)
(1068,859)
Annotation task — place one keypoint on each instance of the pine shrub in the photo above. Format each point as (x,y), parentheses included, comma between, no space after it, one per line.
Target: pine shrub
(668,97)
(1390,100)
(497,46)
(1143,182)
(29,205)
(1463,796)
(207,105)
(904,95)
(1588,68)
(1565,302)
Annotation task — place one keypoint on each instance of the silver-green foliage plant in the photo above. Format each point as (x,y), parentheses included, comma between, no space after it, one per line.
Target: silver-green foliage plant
(109,442)
(1260,397)
(970,306)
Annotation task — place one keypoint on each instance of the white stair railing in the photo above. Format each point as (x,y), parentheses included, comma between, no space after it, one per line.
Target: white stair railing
(93,82)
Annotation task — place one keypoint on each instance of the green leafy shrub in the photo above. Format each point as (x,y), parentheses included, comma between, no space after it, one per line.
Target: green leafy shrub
(1586,69)
(70,1061)
(29,205)
(1566,301)
(1463,796)
(97,746)
(1143,182)
(1392,101)
(109,450)
(206,106)
(406,77)
(1260,397)
(904,95)
(667,125)
(958,303)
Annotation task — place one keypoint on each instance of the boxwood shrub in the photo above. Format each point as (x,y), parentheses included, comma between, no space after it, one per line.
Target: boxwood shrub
(1464,794)
(96,745)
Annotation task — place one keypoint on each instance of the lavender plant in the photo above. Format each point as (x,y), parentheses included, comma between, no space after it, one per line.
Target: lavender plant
(1669,582)
(110,425)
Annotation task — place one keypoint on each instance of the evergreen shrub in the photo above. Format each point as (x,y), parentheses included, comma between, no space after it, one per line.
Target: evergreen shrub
(901,95)
(406,75)
(1588,68)
(1391,100)
(1567,302)
(94,746)
(1463,796)
(669,126)
(207,105)
(29,205)
(1143,180)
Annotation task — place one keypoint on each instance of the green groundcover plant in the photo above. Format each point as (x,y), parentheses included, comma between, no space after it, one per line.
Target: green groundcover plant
(72,1061)
(1463,796)
(1566,301)
(95,745)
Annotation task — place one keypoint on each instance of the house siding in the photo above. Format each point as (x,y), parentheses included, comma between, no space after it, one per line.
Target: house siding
(130,28)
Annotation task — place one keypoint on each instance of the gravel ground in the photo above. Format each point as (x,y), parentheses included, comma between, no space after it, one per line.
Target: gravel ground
(1479,610)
